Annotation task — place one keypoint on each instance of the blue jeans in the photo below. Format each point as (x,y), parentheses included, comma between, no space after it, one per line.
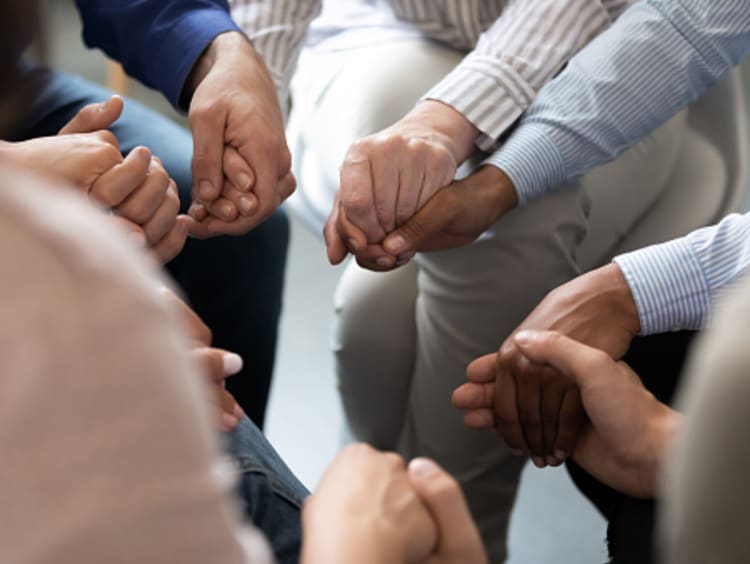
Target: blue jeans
(234,283)
(272,495)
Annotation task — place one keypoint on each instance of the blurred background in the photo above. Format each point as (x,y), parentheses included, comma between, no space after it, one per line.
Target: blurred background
(551,523)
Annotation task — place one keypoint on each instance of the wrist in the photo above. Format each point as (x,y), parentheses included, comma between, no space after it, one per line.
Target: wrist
(453,129)
(221,50)
(619,298)
(502,194)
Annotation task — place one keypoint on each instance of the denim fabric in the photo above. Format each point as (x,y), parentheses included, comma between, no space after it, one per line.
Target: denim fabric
(271,494)
(234,283)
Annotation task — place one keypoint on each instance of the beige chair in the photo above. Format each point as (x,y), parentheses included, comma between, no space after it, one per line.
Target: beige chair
(702,189)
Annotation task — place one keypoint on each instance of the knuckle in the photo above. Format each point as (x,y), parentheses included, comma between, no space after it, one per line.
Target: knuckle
(355,202)
(443,487)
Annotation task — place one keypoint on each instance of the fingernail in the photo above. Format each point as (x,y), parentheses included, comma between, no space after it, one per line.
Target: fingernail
(423,468)
(229,421)
(560,454)
(538,461)
(196,210)
(553,461)
(243,181)
(226,210)
(232,364)
(395,244)
(353,244)
(516,452)
(246,205)
(239,413)
(137,238)
(205,190)
(384,261)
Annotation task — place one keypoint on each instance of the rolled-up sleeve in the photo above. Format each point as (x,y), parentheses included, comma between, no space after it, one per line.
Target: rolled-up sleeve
(157,41)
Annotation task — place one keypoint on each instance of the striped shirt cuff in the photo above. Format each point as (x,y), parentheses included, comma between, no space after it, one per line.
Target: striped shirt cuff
(533,172)
(669,286)
(490,94)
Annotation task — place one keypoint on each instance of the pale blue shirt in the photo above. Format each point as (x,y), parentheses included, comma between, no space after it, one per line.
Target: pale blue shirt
(656,59)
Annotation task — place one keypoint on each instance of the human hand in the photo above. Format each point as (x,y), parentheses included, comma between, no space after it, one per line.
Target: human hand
(365,510)
(233,106)
(454,217)
(139,191)
(386,177)
(630,431)
(216,364)
(536,409)
(80,153)
(458,538)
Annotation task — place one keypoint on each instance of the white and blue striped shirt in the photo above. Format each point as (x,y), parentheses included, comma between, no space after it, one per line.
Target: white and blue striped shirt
(657,58)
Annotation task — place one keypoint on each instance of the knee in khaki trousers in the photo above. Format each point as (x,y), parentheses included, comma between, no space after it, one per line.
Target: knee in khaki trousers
(403,339)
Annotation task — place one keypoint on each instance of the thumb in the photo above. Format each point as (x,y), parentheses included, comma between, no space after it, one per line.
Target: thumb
(422,226)
(458,537)
(95,117)
(576,360)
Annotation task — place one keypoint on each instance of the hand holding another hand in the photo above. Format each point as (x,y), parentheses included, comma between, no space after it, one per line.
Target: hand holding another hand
(370,508)
(629,432)
(388,176)
(216,364)
(536,408)
(455,216)
(241,162)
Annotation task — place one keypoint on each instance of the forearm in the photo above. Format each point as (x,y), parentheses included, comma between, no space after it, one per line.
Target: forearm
(277,30)
(656,59)
(676,284)
(157,41)
(527,45)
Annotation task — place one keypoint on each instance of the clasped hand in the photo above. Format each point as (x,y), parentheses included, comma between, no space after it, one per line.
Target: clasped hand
(536,408)
(397,195)
(136,189)
(241,162)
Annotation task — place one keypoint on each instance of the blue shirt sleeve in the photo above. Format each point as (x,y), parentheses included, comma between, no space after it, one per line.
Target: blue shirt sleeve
(658,57)
(157,41)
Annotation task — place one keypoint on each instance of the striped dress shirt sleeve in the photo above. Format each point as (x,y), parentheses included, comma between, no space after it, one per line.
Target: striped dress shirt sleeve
(277,30)
(525,47)
(518,45)
(675,284)
(657,58)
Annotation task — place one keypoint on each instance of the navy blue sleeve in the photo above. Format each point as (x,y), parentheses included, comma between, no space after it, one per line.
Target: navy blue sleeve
(157,41)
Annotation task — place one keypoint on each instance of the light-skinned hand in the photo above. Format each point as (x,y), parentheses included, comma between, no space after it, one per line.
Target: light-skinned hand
(216,364)
(241,162)
(455,216)
(138,189)
(365,510)
(386,177)
(629,433)
(79,154)
(458,537)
